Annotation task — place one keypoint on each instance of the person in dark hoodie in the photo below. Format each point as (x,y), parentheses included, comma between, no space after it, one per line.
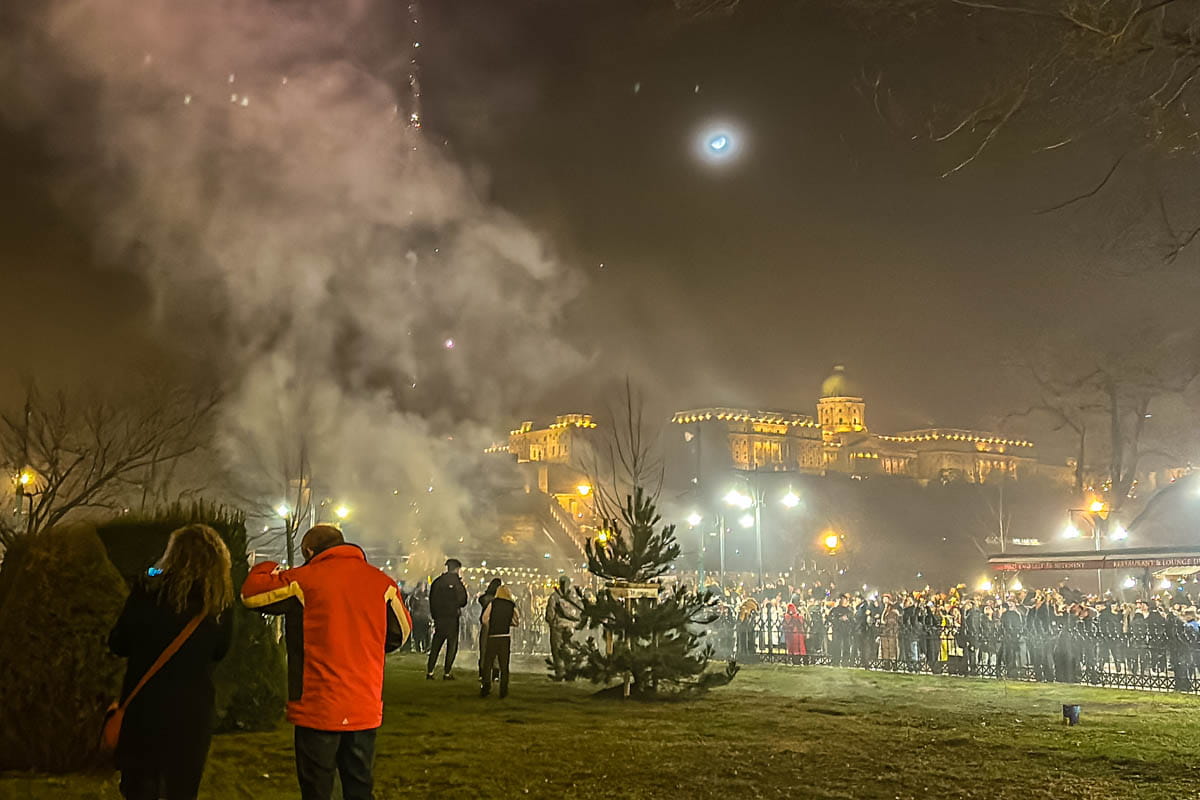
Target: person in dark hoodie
(447,596)
(485,600)
(499,618)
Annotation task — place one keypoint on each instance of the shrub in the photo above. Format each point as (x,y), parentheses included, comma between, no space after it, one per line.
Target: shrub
(56,674)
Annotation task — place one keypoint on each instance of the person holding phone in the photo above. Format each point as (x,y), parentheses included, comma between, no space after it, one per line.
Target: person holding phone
(167,725)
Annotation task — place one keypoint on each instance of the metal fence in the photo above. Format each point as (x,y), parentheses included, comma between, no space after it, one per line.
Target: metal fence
(1165,656)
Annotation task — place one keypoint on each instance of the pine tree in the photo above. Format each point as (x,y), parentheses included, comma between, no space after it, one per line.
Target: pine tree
(655,642)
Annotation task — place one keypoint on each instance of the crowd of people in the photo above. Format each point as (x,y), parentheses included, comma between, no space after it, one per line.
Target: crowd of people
(344,615)
(1052,634)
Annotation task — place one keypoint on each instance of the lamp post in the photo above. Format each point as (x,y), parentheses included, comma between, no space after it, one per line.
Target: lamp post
(753,501)
(694,519)
(1095,515)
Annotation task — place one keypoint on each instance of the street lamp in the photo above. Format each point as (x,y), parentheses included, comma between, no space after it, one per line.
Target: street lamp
(283,511)
(583,489)
(694,519)
(341,512)
(755,499)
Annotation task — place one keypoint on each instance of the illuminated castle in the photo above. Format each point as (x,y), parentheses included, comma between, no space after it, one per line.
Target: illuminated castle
(839,441)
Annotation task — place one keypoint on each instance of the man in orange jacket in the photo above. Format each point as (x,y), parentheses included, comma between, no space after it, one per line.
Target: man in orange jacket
(342,616)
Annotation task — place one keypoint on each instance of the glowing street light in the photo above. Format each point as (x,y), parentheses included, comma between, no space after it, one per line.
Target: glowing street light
(985,585)
(694,519)
(583,489)
(831,541)
(1129,583)
(341,512)
(791,500)
(736,498)
(25,478)
(283,511)
(1096,506)
(1071,532)
(1119,533)
(1016,585)
(747,521)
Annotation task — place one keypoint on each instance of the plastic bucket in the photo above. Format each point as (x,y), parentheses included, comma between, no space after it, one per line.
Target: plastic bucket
(1071,715)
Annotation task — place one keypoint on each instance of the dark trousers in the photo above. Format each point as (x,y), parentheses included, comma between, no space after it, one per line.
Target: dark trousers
(444,632)
(841,647)
(173,772)
(559,636)
(498,650)
(420,634)
(320,753)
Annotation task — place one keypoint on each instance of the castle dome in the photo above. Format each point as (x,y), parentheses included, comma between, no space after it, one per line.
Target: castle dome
(839,385)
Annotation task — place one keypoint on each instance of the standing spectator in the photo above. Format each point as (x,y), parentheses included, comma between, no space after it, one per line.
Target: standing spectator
(163,754)
(841,619)
(793,631)
(561,620)
(343,615)
(447,598)
(500,616)
(484,600)
(889,635)
(1012,627)
(419,608)
(747,619)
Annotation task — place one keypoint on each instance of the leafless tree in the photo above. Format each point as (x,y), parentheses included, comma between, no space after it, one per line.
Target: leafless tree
(1104,395)
(70,453)
(625,458)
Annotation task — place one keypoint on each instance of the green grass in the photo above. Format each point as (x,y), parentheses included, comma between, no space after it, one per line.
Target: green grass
(775,732)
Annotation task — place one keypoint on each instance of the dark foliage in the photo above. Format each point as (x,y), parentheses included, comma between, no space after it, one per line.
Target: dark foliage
(251,681)
(56,674)
(657,642)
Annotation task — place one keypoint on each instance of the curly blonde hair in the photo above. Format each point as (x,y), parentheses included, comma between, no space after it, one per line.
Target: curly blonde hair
(196,566)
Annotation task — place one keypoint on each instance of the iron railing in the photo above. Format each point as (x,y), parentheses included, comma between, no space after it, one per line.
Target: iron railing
(1160,655)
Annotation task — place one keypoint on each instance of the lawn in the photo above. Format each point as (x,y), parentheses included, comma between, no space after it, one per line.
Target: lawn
(775,732)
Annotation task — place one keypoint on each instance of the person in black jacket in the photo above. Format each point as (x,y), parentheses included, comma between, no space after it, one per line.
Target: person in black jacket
(447,596)
(168,724)
(499,618)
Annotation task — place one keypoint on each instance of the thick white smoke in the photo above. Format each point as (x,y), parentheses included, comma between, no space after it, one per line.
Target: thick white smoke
(338,271)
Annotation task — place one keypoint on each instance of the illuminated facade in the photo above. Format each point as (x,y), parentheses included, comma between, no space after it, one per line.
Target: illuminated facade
(838,440)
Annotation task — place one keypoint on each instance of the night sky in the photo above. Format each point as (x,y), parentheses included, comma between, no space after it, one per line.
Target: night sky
(832,239)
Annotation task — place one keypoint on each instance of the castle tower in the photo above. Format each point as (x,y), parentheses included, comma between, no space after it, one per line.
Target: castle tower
(841,408)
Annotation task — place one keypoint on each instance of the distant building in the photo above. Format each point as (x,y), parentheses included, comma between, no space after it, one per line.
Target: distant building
(838,440)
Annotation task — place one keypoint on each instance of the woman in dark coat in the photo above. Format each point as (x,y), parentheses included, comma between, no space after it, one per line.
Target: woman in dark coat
(168,724)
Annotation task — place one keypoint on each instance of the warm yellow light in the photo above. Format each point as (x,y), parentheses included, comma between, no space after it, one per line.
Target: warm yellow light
(1016,585)
(341,512)
(985,585)
(282,510)
(25,478)
(831,541)
(602,537)
(1097,505)
(583,489)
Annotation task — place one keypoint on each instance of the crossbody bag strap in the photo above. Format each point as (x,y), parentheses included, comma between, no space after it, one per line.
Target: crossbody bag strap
(165,655)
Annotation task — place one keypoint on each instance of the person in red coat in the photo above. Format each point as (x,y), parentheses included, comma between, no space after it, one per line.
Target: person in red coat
(793,631)
(342,616)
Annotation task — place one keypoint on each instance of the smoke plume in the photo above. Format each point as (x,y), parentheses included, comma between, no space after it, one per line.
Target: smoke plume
(326,259)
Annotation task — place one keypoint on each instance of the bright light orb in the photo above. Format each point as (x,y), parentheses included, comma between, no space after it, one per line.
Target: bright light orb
(791,500)
(718,143)
(746,521)
(694,519)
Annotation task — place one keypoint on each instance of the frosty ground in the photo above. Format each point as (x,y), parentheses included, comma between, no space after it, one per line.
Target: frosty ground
(775,732)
